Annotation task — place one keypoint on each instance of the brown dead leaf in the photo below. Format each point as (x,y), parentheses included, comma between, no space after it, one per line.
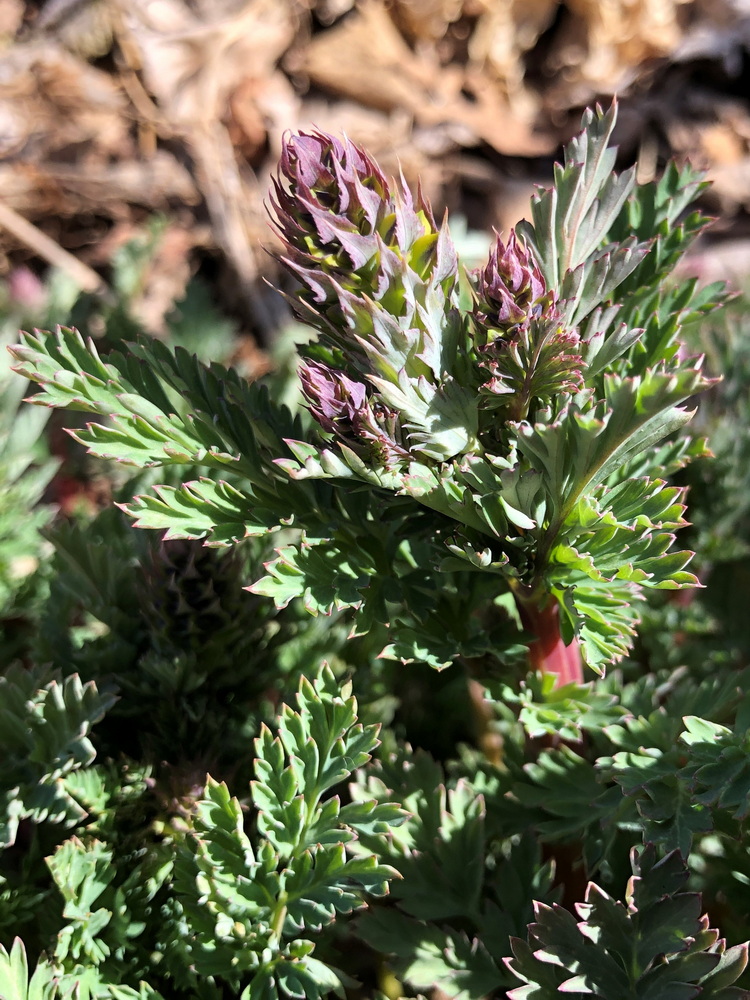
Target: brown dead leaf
(505,125)
(49,100)
(604,43)
(11,19)
(247,128)
(83,28)
(425,20)
(329,11)
(39,189)
(716,138)
(195,64)
(192,65)
(365,59)
(280,106)
(730,186)
(261,110)
(722,145)
(236,209)
(504,33)
(379,132)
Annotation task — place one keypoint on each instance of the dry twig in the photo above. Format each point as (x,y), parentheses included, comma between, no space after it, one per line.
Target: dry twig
(46,248)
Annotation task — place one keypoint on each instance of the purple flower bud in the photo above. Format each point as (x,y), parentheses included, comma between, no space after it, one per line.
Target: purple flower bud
(341,407)
(379,281)
(26,290)
(537,359)
(348,232)
(334,199)
(334,398)
(510,286)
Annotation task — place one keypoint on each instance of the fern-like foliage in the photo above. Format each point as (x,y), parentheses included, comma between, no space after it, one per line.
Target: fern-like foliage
(688,789)
(654,945)
(26,469)
(179,633)
(251,908)
(461,895)
(15,983)
(48,983)
(44,735)
(243,901)
(480,482)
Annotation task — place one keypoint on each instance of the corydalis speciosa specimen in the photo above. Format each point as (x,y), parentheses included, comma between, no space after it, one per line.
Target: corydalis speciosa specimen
(506,438)
(530,423)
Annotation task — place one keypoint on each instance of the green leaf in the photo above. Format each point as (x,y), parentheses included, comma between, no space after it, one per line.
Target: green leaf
(571,220)
(72,375)
(253,904)
(82,872)
(567,793)
(671,815)
(44,735)
(718,767)
(14,976)
(216,511)
(656,945)
(427,955)
(565,712)
(316,749)
(317,570)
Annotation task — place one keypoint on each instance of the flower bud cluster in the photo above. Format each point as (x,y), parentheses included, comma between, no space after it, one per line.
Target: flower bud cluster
(346,234)
(379,280)
(523,345)
(510,288)
(333,211)
(341,407)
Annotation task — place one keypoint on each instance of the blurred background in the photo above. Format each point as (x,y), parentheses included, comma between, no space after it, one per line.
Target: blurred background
(138,137)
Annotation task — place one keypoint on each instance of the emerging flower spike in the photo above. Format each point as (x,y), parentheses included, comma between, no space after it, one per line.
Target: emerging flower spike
(341,407)
(335,206)
(380,283)
(537,360)
(334,398)
(346,234)
(511,288)
(523,343)
(518,439)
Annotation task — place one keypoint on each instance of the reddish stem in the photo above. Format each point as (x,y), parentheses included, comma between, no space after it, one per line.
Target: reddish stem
(548,652)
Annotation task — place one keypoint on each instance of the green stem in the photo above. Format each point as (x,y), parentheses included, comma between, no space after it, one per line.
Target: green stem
(522,401)
(278,917)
